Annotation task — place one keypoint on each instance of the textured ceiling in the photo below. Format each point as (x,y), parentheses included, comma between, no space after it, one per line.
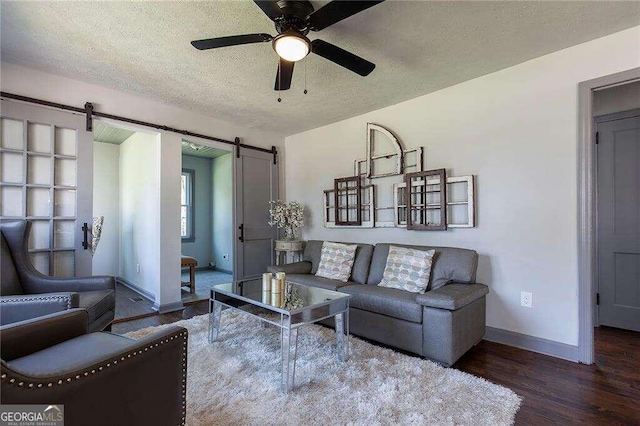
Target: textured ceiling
(196,150)
(418,46)
(109,134)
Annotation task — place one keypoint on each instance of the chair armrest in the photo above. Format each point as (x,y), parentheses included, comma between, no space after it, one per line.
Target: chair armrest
(452,296)
(46,284)
(292,268)
(144,383)
(26,337)
(26,306)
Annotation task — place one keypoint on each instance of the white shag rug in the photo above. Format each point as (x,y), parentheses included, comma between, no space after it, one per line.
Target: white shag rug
(236,381)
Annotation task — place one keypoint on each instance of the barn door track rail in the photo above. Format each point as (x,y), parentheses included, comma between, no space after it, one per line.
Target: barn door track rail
(91,112)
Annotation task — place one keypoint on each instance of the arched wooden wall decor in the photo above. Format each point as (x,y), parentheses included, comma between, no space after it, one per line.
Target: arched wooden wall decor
(382,207)
(379,153)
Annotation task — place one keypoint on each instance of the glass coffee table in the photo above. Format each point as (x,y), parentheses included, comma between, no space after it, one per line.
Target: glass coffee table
(297,306)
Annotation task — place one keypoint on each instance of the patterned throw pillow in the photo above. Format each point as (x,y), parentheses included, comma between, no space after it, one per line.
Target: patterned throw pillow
(336,261)
(407,269)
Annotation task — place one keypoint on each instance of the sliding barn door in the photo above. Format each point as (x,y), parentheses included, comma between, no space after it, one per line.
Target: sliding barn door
(46,159)
(256,184)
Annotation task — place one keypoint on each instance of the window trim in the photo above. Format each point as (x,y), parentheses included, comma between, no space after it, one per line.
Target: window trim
(191,205)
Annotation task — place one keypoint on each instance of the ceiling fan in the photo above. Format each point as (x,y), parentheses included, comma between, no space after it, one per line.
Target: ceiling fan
(293,20)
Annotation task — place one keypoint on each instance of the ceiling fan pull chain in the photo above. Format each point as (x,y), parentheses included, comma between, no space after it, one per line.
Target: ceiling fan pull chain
(305,76)
(279,81)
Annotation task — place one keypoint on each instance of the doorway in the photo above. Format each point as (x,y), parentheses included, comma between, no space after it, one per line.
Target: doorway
(587,197)
(617,131)
(206,218)
(125,197)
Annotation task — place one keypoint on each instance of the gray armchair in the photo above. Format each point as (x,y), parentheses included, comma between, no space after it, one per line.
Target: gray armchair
(101,378)
(26,293)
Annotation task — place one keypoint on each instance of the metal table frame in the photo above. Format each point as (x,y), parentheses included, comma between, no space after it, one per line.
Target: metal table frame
(289,323)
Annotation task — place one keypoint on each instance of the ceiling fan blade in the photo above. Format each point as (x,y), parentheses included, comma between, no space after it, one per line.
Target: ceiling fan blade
(270,8)
(342,57)
(336,11)
(284,75)
(212,43)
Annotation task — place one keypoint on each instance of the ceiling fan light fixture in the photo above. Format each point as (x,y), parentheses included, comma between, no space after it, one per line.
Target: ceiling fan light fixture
(292,47)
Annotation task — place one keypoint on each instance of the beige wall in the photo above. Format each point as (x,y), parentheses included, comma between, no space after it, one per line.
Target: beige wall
(516,130)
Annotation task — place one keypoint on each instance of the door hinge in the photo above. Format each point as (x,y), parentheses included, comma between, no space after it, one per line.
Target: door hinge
(597,298)
(597,138)
(236,141)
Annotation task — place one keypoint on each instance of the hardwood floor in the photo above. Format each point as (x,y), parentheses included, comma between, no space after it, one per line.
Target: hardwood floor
(554,391)
(557,391)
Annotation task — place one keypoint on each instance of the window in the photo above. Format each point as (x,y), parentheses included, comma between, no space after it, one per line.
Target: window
(187,225)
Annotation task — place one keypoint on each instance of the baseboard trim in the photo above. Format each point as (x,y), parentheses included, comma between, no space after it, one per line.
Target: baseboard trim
(142,292)
(168,307)
(533,344)
(223,270)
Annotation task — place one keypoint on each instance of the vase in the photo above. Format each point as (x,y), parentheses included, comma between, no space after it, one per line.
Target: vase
(290,234)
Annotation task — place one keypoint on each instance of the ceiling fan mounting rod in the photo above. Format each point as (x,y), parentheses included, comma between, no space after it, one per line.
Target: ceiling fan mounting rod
(291,23)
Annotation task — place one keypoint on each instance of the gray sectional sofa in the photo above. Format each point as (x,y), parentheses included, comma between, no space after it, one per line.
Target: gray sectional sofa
(441,324)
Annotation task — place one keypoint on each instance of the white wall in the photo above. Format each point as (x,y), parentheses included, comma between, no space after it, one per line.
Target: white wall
(201,247)
(140,206)
(222,183)
(106,202)
(516,130)
(168,225)
(616,99)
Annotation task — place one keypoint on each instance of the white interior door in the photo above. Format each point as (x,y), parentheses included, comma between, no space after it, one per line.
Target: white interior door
(46,160)
(256,185)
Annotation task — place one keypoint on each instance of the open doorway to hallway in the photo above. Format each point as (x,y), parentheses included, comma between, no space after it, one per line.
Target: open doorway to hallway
(206,223)
(616,126)
(125,194)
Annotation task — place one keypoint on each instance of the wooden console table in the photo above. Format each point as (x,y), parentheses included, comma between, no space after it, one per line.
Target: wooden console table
(293,247)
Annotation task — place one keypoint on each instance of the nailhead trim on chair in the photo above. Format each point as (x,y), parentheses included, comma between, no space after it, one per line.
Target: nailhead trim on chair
(183,334)
(32,298)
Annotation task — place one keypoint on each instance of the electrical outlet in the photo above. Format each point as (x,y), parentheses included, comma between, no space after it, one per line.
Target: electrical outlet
(225,256)
(526,299)
(137,267)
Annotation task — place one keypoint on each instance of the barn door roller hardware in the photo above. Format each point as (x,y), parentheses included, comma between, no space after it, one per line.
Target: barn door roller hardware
(88,108)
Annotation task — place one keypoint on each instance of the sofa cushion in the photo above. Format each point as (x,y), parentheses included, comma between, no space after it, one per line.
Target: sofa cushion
(449,264)
(97,302)
(386,301)
(336,261)
(407,269)
(9,279)
(320,282)
(360,270)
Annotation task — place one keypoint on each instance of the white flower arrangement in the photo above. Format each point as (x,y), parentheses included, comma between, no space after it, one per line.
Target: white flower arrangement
(288,217)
